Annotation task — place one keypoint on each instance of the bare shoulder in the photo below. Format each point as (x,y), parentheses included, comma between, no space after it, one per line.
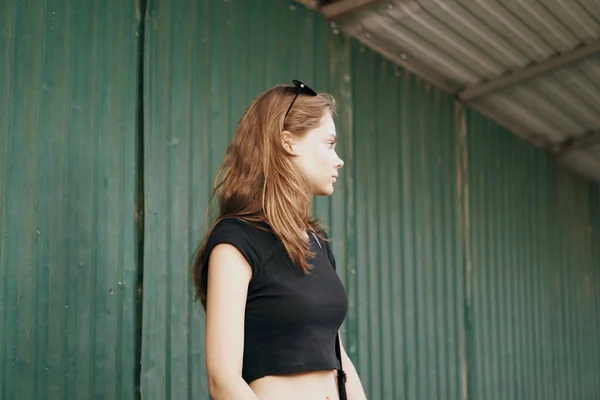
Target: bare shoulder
(228,269)
(226,257)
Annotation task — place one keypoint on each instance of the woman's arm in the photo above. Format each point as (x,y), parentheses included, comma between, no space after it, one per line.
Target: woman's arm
(354,388)
(228,276)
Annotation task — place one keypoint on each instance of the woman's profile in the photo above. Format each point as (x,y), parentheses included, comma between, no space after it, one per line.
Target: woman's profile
(265,272)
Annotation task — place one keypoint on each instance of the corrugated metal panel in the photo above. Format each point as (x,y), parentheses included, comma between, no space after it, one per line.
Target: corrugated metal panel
(534,275)
(595,276)
(461,44)
(409,283)
(594,281)
(68,265)
(205,62)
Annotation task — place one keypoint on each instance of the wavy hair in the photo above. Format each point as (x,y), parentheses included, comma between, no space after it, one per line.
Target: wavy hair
(258,181)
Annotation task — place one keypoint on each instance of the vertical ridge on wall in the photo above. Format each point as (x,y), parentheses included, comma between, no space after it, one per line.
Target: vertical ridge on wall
(381,246)
(68,263)
(594,281)
(463,254)
(199,156)
(364,189)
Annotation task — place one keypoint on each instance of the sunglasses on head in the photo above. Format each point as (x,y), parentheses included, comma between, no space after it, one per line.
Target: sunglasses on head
(299,87)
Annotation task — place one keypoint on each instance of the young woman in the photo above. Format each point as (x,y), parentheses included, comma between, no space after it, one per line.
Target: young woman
(265,273)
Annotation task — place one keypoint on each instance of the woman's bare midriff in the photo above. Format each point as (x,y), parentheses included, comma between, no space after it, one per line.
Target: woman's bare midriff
(317,385)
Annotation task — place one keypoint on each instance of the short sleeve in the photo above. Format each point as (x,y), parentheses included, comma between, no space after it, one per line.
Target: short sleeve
(238,234)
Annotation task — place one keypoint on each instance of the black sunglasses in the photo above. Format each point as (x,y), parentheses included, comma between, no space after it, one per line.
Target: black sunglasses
(299,87)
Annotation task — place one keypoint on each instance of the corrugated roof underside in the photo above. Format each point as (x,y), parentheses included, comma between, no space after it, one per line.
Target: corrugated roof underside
(465,43)
(562,104)
(474,40)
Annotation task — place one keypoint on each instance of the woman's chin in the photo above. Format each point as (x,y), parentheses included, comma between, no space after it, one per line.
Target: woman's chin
(325,191)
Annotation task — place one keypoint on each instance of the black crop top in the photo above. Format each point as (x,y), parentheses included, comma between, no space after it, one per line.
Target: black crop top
(291,319)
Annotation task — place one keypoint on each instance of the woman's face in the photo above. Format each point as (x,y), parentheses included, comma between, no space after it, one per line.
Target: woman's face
(315,154)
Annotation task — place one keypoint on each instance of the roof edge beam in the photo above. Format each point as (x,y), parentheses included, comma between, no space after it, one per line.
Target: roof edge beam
(342,8)
(582,142)
(474,91)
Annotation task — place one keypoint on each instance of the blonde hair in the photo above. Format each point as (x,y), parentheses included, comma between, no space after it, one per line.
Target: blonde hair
(258,181)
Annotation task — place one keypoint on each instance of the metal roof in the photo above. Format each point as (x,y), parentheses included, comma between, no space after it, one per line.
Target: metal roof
(531,65)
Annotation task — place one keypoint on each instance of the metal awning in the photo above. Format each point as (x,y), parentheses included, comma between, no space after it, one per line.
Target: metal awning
(531,65)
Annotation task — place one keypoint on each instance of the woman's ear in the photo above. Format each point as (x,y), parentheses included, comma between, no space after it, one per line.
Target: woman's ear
(287,140)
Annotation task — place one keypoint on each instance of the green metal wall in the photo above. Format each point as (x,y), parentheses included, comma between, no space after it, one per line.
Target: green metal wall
(68,246)
(406,326)
(533,272)
(471,260)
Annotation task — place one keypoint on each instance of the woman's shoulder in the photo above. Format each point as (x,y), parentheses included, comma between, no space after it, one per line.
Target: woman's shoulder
(248,237)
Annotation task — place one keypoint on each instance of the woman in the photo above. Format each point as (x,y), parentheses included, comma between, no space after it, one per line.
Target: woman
(265,273)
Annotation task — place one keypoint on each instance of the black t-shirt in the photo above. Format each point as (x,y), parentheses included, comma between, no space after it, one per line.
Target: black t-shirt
(291,319)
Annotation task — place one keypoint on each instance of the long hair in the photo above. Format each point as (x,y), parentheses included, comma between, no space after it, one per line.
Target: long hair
(258,181)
